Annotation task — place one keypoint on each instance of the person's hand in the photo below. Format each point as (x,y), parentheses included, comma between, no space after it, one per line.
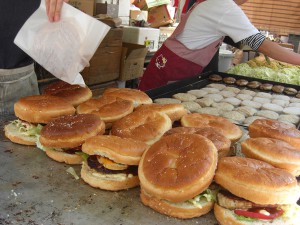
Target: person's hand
(53,9)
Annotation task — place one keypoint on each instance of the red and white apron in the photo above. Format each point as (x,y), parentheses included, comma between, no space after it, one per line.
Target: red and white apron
(174,61)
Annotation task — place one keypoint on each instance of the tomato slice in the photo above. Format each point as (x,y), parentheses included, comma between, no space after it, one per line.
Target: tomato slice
(254,213)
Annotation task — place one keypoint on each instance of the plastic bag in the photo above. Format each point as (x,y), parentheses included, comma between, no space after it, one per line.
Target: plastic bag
(63,48)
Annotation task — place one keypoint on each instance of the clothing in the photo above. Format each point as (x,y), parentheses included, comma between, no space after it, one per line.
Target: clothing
(14,84)
(213,19)
(202,28)
(17,76)
(13,15)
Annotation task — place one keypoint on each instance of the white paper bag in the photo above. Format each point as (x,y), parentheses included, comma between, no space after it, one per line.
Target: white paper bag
(63,48)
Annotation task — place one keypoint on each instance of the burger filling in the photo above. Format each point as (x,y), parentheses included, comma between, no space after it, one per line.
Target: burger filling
(246,210)
(104,165)
(26,128)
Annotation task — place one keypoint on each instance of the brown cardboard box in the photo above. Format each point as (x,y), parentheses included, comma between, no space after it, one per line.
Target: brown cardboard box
(111,10)
(147,4)
(159,16)
(132,61)
(86,6)
(105,64)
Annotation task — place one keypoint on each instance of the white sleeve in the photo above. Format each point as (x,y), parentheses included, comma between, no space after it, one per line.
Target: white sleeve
(235,24)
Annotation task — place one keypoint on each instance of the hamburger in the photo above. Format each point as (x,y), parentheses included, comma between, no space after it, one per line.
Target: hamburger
(62,138)
(33,112)
(136,96)
(255,192)
(73,94)
(223,125)
(220,141)
(112,162)
(175,173)
(273,151)
(275,129)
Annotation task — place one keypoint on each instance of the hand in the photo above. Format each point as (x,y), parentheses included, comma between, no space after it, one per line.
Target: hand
(53,9)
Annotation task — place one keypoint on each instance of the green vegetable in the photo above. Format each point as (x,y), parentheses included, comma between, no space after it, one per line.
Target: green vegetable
(271,71)
(243,218)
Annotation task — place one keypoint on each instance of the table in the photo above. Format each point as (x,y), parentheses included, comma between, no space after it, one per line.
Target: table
(36,190)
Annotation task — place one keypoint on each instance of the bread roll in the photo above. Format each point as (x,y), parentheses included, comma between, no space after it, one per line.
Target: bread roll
(147,126)
(257,181)
(178,167)
(276,152)
(74,94)
(224,126)
(42,108)
(275,129)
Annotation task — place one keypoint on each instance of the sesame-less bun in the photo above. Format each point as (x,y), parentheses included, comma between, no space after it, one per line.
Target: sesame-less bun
(146,126)
(178,167)
(228,217)
(111,182)
(60,156)
(136,96)
(74,94)
(120,150)
(224,126)
(108,108)
(174,111)
(71,131)
(182,210)
(276,152)
(275,129)
(14,135)
(257,181)
(219,140)
(42,108)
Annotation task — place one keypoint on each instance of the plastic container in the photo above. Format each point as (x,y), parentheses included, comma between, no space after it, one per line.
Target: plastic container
(225,60)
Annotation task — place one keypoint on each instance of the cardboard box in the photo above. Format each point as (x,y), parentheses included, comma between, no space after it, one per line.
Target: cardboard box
(142,36)
(86,6)
(147,4)
(164,33)
(161,16)
(111,10)
(138,15)
(105,63)
(132,61)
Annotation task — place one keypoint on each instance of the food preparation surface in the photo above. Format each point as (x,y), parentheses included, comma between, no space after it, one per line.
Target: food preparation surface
(36,190)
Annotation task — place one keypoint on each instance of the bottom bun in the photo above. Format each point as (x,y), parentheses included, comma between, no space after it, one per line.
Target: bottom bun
(227,217)
(67,158)
(107,181)
(182,210)
(13,134)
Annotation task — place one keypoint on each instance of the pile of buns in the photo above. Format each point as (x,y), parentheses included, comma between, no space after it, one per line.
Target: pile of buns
(184,162)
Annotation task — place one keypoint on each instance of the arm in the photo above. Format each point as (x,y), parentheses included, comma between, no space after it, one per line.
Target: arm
(53,9)
(275,51)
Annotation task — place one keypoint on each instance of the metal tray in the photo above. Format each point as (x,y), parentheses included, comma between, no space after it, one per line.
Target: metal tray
(200,81)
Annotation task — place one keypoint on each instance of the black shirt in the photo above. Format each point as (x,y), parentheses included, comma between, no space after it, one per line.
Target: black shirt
(13,14)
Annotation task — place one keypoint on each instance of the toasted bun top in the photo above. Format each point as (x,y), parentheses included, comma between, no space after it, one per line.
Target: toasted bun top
(224,126)
(257,181)
(276,152)
(108,108)
(275,129)
(218,139)
(178,167)
(42,108)
(174,111)
(136,96)
(73,94)
(71,131)
(120,150)
(146,126)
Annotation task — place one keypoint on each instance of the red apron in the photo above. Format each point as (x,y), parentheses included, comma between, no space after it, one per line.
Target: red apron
(174,61)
